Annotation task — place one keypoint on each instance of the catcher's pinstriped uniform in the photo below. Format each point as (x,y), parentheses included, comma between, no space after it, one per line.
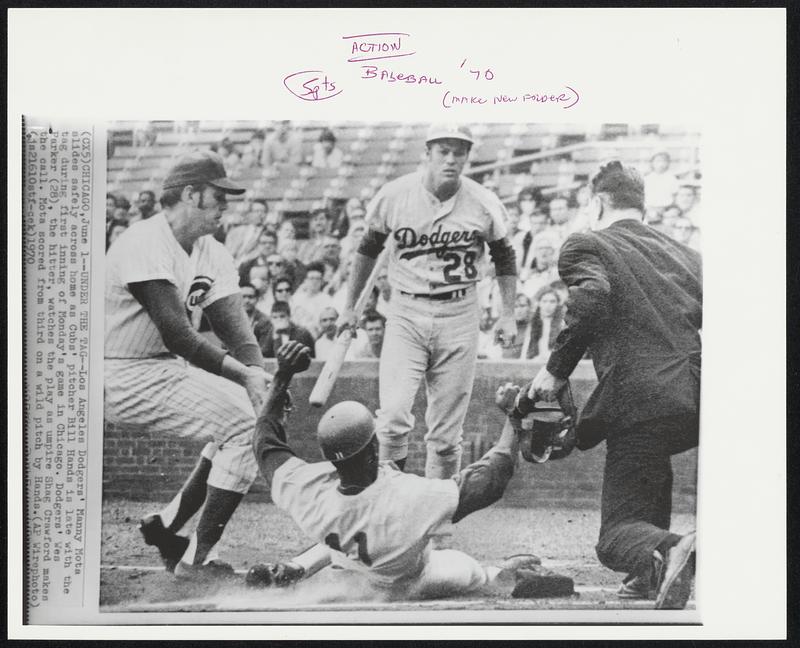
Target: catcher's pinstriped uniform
(147,385)
(435,249)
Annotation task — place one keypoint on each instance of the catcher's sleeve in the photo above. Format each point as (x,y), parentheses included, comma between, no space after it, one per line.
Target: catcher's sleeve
(161,300)
(482,483)
(229,322)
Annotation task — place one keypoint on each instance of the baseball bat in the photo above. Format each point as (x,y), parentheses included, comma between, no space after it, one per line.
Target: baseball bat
(330,371)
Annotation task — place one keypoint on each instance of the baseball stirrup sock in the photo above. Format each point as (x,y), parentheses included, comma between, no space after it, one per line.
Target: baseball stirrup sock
(219,507)
(313,559)
(192,494)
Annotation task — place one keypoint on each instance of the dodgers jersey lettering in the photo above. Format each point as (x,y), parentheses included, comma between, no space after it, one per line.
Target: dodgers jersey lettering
(435,246)
(383,530)
(146,251)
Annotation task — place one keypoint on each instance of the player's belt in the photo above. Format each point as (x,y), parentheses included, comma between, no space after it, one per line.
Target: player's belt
(453,294)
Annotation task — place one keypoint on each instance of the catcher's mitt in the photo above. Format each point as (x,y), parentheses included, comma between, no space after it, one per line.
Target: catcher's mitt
(546,430)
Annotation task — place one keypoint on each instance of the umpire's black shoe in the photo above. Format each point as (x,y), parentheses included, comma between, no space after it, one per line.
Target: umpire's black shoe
(170,545)
(677,576)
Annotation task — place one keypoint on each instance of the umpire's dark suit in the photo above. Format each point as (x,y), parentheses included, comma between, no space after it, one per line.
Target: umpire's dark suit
(635,302)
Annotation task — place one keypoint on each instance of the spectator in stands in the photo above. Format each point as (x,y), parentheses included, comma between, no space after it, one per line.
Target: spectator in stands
(284,330)
(272,221)
(372,302)
(309,300)
(529,200)
(543,268)
(353,210)
(375,327)
(326,154)
(276,267)
(330,257)
(514,233)
(282,146)
(559,212)
(337,287)
(522,316)
(146,203)
(295,269)
(111,207)
(660,184)
(242,239)
(487,349)
(668,218)
(311,249)
(686,201)
(684,232)
(123,203)
(251,154)
(384,290)
(350,243)
(115,228)
(146,136)
(546,324)
(286,231)
(259,322)
(580,221)
(327,337)
(259,279)
(282,289)
(267,244)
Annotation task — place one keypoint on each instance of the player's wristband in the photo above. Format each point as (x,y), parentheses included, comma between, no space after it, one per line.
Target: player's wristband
(372,243)
(504,258)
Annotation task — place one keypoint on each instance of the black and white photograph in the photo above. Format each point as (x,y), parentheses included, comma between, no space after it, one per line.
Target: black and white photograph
(441,323)
(461,314)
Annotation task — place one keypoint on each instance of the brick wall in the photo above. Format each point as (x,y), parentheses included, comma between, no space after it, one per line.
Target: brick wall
(138,465)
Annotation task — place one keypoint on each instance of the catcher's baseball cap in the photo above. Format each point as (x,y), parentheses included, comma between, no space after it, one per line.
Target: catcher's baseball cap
(201,167)
(344,430)
(449,131)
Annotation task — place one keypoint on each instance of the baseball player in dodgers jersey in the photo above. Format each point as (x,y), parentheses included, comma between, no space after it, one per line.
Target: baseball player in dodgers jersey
(162,375)
(374,518)
(435,224)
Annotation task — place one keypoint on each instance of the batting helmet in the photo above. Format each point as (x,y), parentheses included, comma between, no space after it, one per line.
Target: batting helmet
(344,430)
(449,131)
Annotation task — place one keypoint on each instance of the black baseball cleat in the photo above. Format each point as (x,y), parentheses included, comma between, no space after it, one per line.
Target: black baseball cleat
(643,587)
(214,570)
(274,575)
(677,576)
(170,545)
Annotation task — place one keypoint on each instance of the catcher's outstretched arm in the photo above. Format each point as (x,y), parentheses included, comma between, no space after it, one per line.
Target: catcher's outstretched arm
(483,483)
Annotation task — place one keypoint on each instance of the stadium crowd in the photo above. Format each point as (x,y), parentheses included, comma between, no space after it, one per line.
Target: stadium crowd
(294,288)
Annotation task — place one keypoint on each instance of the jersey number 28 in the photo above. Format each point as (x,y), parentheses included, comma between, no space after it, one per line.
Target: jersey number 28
(454,261)
(360,538)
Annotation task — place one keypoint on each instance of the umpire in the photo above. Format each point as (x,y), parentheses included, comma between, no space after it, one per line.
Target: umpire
(635,303)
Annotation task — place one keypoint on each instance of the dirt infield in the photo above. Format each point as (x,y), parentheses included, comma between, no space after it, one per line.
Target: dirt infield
(132,580)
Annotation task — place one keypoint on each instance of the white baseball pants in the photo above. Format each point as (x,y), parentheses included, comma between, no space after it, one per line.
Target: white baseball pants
(437,341)
(170,396)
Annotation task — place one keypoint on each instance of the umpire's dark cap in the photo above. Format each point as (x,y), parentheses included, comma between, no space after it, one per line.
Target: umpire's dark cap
(201,167)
